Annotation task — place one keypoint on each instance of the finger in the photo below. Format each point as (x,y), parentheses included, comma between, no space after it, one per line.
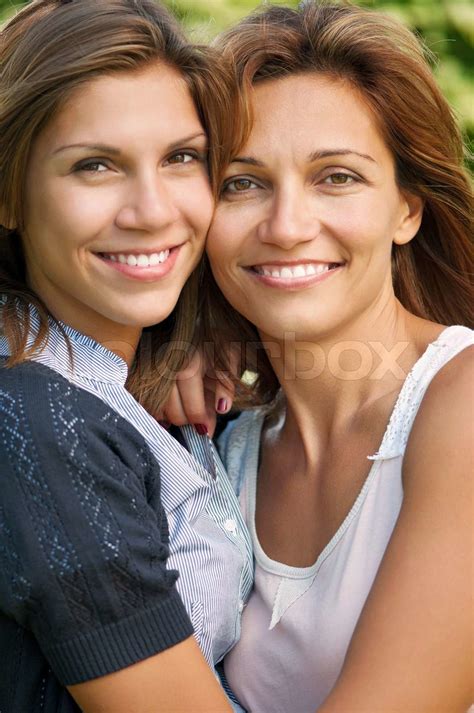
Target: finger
(173,410)
(224,396)
(195,366)
(223,383)
(190,386)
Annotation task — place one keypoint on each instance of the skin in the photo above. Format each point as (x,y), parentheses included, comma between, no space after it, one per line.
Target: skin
(312,186)
(134,181)
(145,189)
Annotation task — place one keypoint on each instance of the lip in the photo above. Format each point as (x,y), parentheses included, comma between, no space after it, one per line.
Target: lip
(142,274)
(294,283)
(292,263)
(139,251)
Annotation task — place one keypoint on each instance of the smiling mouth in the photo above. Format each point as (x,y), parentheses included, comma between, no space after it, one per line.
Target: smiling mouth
(295,272)
(137,259)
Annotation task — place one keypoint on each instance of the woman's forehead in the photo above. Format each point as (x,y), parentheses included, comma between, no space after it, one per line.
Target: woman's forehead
(307,113)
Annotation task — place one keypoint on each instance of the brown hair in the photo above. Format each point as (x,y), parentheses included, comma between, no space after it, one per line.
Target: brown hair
(388,66)
(47,50)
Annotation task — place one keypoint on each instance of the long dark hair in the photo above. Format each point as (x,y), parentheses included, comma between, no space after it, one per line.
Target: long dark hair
(47,50)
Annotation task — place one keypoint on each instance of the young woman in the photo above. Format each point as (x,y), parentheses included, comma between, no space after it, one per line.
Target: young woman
(105,117)
(341,240)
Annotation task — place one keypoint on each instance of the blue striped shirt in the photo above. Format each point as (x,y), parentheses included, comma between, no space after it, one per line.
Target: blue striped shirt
(209,542)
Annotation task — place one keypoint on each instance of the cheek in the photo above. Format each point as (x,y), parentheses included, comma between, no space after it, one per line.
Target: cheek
(219,250)
(227,241)
(197,205)
(364,232)
(57,210)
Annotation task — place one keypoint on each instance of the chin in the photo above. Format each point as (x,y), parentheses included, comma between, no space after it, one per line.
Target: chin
(144,321)
(146,313)
(289,326)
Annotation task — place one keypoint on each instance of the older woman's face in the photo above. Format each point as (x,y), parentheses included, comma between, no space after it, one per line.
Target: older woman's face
(302,236)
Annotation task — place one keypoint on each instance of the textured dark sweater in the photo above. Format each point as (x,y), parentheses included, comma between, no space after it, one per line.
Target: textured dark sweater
(84,589)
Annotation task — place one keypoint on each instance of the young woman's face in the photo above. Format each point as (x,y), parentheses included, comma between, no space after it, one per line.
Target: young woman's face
(301,240)
(118,202)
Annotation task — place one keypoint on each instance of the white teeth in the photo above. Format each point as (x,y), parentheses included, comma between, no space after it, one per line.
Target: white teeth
(140,260)
(289,272)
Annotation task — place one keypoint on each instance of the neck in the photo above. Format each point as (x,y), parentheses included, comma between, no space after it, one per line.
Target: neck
(120,339)
(329,380)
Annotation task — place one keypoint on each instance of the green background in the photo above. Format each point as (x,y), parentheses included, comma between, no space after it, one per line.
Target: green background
(446,25)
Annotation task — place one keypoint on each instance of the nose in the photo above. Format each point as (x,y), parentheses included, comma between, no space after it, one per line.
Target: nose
(290,220)
(148,205)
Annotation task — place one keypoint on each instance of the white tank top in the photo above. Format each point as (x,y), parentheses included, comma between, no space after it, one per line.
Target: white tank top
(298,623)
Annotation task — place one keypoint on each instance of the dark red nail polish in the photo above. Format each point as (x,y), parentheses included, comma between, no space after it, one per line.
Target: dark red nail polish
(222,406)
(201,428)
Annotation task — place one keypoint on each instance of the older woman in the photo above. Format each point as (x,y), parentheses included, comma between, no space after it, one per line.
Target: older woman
(342,243)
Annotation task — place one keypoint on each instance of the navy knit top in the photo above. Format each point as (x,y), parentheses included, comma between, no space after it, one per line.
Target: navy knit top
(84,589)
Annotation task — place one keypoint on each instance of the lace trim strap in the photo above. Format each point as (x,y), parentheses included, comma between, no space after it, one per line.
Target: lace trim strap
(448,345)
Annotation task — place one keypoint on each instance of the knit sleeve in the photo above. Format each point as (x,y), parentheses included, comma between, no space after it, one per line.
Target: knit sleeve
(83,534)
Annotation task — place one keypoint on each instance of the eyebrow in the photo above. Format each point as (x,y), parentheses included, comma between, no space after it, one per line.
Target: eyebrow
(248,160)
(113,151)
(101,148)
(314,156)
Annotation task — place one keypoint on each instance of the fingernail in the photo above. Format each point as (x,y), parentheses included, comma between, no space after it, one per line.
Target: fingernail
(222,406)
(164,424)
(201,428)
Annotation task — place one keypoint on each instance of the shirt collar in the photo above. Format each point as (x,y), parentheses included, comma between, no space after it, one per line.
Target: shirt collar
(90,359)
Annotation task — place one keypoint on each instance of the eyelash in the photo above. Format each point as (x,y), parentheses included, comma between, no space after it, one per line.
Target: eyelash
(194,156)
(226,188)
(87,166)
(350,176)
(227,184)
(90,165)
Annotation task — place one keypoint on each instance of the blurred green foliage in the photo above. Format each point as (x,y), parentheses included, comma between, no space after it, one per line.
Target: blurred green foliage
(447,27)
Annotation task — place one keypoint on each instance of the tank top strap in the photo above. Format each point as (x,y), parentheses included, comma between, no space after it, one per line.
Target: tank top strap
(450,342)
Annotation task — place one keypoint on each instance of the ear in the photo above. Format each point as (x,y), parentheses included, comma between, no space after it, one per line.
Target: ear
(410,218)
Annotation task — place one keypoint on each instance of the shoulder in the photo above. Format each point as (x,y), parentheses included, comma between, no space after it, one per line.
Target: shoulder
(47,418)
(423,578)
(448,398)
(440,442)
(454,379)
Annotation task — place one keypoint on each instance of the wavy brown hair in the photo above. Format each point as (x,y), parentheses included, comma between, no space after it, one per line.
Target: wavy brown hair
(47,50)
(390,68)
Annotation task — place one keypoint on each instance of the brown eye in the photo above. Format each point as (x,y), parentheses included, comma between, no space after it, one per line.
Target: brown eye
(91,166)
(182,157)
(239,185)
(340,179)
(242,184)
